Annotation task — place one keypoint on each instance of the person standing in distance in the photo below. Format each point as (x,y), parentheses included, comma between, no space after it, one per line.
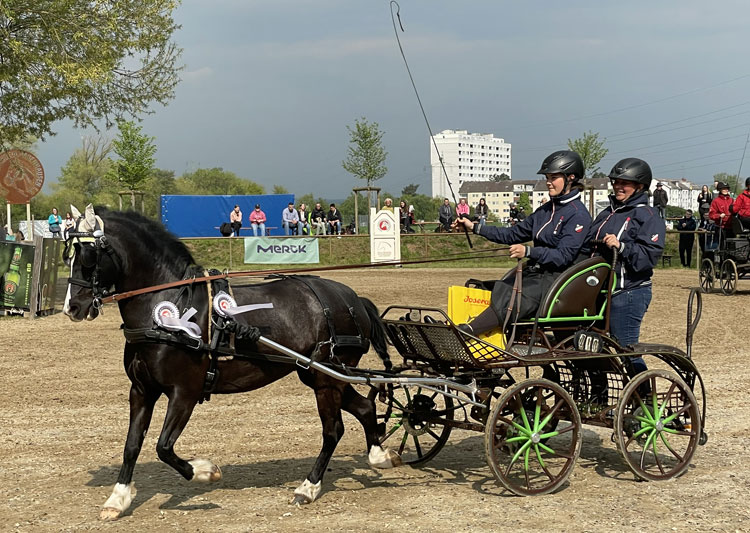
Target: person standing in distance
(557,228)
(660,200)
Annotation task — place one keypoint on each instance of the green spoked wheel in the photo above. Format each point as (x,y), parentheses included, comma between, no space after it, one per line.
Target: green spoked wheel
(412,421)
(533,437)
(728,278)
(706,276)
(657,425)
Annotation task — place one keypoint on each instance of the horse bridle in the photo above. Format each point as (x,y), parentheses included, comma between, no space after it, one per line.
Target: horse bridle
(101,246)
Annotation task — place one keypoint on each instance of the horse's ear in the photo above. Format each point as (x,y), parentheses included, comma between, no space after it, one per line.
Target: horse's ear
(74,212)
(90,217)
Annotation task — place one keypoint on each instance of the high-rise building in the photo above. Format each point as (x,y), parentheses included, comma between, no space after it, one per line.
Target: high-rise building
(467,157)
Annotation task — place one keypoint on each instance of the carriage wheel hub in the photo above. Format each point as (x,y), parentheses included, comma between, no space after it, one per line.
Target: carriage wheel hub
(535,438)
(659,425)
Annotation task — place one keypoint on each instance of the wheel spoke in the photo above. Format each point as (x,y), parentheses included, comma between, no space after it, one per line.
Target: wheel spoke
(671,417)
(523,413)
(391,431)
(417,447)
(678,432)
(517,455)
(403,443)
(432,433)
(666,399)
(541,463)
(656,455)
(666,444)
(645,448)
(537,409)
(550,414)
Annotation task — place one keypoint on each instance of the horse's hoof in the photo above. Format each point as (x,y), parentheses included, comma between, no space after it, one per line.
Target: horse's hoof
(394,457)
(109,513)
(306,493)
(205,471)
(299,499)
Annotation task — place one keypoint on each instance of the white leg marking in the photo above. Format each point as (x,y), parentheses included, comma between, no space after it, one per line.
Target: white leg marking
(307,492)
(205,471)
(118,502)
(66,307)
(380,458)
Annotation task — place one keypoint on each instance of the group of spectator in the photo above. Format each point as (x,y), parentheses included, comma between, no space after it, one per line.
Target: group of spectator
(299,221)
(462,211)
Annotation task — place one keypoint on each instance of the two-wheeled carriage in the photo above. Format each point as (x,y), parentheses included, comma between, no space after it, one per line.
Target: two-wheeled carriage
(726,260)
(532,397)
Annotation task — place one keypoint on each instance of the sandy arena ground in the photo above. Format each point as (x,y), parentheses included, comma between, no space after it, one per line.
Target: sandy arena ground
(64,417)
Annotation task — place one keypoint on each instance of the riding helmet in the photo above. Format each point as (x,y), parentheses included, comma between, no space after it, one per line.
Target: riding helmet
(563,162)
(632,169)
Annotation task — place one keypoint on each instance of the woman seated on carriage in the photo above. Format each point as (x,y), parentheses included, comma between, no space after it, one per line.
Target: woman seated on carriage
(557,228)
(636,231)
(741,207)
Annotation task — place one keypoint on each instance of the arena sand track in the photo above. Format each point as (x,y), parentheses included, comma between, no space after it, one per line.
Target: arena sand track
(64,417)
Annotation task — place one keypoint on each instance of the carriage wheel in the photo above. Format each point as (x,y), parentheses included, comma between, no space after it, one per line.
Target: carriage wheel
(707,276)
(533,437)
(657,425)
(413,422)
(728,277)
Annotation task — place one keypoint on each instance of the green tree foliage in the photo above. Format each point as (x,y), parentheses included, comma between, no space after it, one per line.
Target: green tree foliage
(409,190)
(162,182)
(729,179)
(499,177)
(591,150)
(523,201)
(136,152)
(280,189)
(82,179)
(215,181)
(84,61)
(366,155)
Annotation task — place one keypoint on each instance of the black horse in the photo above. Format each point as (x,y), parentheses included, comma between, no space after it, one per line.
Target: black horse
(135,252)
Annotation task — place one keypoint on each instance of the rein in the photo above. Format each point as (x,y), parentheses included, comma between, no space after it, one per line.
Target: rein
(265,273)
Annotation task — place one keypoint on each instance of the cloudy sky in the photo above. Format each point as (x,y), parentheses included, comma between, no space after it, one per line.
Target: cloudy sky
(270,86)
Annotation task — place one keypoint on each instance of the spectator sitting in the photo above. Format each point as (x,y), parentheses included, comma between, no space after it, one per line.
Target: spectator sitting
(68,225)
(445,215)
(304,220)
(741,206)
(481,212)
(290,220)
(258,220)
(235,220)
(334,220)
(720,212)
(54,221)
(406,217)
(388,204)
(462,209)
(318,219)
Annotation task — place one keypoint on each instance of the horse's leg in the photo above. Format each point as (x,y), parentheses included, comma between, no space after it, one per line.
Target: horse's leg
(141,410)
(179,410)
(329,397)
(364,410)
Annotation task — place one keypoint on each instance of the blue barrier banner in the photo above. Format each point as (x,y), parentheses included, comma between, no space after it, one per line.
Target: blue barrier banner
(281,251)
(202,216)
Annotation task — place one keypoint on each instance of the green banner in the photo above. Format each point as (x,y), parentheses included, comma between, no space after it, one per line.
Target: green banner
(16,262)
(281,251)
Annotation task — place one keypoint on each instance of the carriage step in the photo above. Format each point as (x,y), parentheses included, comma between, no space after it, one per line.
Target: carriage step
(523,349)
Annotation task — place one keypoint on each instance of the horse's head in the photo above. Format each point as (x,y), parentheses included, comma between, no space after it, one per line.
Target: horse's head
(94,265)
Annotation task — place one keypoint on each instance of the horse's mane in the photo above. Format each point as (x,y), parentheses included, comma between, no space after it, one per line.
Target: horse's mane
(154,240)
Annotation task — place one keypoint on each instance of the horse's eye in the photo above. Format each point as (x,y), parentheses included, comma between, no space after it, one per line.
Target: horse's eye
(88,257)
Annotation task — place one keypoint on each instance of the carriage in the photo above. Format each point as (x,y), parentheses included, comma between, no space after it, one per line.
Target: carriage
(529,395)
(564,370)
(726,260)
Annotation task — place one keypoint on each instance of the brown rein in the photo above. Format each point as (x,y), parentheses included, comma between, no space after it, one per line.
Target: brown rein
(264,273)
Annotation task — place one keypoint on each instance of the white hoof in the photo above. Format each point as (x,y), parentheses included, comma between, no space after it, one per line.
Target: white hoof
(306,493)
(205,471)
(380,458)
(118,502)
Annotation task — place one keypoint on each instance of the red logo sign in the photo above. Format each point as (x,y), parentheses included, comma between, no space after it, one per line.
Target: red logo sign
(21,176)
(384,225)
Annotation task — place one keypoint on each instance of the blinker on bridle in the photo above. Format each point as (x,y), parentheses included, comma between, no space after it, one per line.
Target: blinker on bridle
(101,245)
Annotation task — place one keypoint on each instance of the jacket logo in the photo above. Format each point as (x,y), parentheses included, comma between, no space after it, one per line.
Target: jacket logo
(579,228)
(655,237)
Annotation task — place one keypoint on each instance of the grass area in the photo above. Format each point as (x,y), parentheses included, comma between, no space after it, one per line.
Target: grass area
(225,253)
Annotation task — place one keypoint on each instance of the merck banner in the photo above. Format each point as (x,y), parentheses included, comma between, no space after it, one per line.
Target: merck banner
(281,251)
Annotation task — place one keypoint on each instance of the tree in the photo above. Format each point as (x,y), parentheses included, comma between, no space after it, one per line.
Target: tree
(280,189)
(523,201)
(591,150)
(366,156)
(84,61)
(729,179)
(498,178)
(215,181)
(409,190)
(136,151)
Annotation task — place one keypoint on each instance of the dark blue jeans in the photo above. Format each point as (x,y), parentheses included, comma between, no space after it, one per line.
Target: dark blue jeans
(628,308)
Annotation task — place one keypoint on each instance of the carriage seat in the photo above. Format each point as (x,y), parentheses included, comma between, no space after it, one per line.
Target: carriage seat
(579,293)
(739,227)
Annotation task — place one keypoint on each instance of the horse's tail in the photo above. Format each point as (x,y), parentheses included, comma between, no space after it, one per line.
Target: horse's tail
(377,332)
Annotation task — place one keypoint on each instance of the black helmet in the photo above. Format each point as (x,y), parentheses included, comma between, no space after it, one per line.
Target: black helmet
(632,169)
(721,185)
(747,183)
(563,162)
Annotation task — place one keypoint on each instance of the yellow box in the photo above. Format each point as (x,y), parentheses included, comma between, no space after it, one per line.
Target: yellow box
(465,303)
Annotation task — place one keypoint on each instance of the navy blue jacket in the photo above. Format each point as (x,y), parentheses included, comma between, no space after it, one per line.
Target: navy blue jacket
(641,233)
(558,229)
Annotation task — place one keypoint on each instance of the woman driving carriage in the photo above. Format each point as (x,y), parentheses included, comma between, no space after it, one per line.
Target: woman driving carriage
(637,232)
(557,229)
